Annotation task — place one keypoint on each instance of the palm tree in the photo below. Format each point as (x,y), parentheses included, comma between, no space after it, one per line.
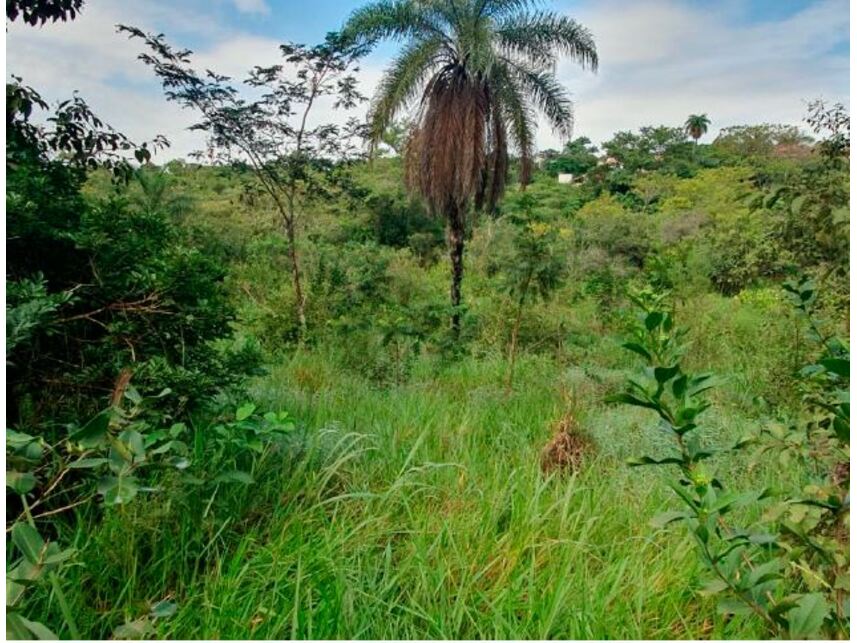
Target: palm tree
(696,125)
(156,195)
(481,69)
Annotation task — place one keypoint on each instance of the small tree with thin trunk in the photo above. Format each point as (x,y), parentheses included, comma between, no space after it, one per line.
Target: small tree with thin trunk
(534,270)
(293,160)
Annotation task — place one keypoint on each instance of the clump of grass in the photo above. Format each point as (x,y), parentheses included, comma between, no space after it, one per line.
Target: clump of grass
(568,448)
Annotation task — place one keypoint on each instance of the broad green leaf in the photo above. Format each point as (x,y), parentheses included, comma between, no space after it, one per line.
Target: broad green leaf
(683,494)
(709,383)
(680,386)
(647,460)
(163,448)
(733,606)
(177,429)
(807,617)
(132,394)
(728,501)
(94,432)
(744,442)
(840,367)
(714,586)
(39,631)
(118,490)
(653,320)
(28,541)
(15,628)
(15,440)
(244,411)
(134,441)
(56,556)
(765,572)
(20,482)
(19,628)
(638,348)
(627,398)
(664,374)
(762,538)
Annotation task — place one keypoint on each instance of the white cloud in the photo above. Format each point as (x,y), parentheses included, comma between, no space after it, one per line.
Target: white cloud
(87,55)
(252,6)
(663,59)
(660,61)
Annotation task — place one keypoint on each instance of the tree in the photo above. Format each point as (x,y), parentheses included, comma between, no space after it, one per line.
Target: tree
(293,161)
(155,194)
(759,140)
(480,69)
(395,136)
(696,125)
(810,207)
(577,158)
(534,269)
(650,149)
(38,12)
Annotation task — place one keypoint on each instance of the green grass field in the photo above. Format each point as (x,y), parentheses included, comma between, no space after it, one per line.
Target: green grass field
(420,511)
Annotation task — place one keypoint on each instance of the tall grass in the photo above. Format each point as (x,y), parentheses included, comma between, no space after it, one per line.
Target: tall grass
(420,511)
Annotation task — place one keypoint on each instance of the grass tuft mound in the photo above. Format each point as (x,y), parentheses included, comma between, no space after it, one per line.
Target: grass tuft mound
(567,449)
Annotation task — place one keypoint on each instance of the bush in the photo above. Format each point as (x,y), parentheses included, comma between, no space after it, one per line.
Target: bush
(100,285)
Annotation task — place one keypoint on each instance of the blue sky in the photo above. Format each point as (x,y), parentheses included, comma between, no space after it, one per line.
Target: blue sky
(741,61)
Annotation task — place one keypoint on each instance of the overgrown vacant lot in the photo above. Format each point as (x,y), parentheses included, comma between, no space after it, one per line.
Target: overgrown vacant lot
(404,376)
(420,510)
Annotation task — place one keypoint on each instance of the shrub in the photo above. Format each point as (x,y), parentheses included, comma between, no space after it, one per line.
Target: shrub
(101,285)
(791,570)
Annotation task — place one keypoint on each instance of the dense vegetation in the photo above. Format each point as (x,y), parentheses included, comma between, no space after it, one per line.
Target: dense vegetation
(242,403)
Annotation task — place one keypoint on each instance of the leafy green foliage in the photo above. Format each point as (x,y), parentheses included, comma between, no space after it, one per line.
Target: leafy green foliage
(811,205)
(293,163)
(750,141)
(118,455)
(535,268)
(754,566)
(577,158)
(398,221)
(404,471)
(653,148)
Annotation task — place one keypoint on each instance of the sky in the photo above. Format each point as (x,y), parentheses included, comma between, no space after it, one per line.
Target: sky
(739,61)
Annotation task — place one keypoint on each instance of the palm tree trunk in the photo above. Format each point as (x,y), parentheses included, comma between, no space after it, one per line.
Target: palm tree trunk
(455,239)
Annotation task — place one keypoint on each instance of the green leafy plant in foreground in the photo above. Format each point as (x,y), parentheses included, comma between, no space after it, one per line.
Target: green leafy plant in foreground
(790,570)
(122,452)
